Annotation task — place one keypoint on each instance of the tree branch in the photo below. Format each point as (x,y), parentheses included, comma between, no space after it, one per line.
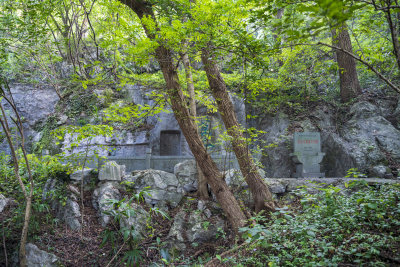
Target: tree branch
(369,66)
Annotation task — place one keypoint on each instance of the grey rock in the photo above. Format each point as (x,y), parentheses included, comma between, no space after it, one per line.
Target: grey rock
(100,198)
(338,155)
(34,103)
(39,258)
(136,219)
(201,205)
(163,187)
(190,188)
(70,214)
(234,178)
(196,227)
(186,173)
(378,171)
(88,175)
(370,137)
(275,187)
(276,158)
(111,171)
(4,202)
(201,230)
(70,211)
(63,119)
(363,109)
(73,189)
(207,213)
(176,232)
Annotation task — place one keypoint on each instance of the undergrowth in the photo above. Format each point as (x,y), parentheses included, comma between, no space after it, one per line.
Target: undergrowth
(330,229)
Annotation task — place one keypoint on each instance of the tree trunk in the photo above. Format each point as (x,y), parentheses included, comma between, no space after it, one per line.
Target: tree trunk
(349,84)
(202,191)
(214,177)
(395,36)
(260,191)
(28,196)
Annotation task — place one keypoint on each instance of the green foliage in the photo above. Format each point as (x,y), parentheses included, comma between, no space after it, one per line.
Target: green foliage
(354,173)
(81,137)
(43,168)
(332,229)
(131,238)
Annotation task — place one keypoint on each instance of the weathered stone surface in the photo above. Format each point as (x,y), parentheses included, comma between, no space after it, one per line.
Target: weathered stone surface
(101,195)
(34,103)
(196,227)
(111,171)
(276,159)
(378,171)
(176,233)
(163,187)
(201,229)
(88,175)
(293,183)
(234,178)
(186,172)
(70,211)
(4,202)
(39,258)
(338,157)
(360,140)
(70,214)
(137,219)
(370,136)
(276,187)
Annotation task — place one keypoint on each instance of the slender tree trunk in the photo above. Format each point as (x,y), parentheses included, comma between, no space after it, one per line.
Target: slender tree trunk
(395,36)
(214,177)
(260,191)
(202,191)
(349,84)
(28,195)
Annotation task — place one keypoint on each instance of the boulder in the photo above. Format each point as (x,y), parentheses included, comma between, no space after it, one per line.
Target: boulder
(39,258)
(100,198)
(338,155)
(370,136)
(186,173)
(88,175)
(276,187)
(201,230)
(276,157)
(162,187)
(193,227)
(68,212)
(4,202)
(378,171)
(111,171)
(136,218)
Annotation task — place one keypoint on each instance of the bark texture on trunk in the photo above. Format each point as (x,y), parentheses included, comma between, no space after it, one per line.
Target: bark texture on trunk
(349,84)
(214,177)
(395,36)
(260,191)
(202,191)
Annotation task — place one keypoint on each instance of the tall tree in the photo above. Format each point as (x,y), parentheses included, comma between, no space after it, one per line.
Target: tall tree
(349,84)
(214,177)
(202,191)
(259,190)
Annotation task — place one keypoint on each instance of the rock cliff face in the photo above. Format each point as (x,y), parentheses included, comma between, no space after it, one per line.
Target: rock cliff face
(364,135)
(34,103)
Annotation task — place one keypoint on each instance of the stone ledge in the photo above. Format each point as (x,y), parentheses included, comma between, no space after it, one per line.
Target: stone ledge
(291,184)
